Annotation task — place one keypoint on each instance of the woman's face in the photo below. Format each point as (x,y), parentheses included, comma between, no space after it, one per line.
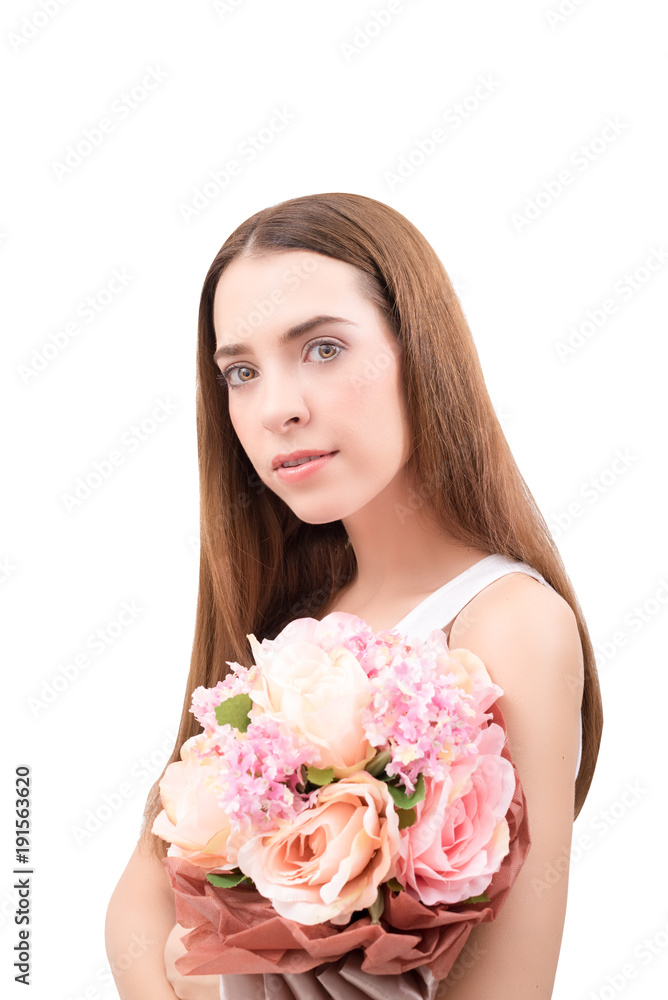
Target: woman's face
(312,367)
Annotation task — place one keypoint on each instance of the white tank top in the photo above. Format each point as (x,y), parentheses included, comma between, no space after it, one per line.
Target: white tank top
(440,607)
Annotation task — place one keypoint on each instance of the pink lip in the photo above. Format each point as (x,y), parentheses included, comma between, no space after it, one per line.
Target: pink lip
(294,455)
(298,472)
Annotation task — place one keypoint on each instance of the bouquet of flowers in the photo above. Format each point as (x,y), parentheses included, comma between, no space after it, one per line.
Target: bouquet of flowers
(349,791)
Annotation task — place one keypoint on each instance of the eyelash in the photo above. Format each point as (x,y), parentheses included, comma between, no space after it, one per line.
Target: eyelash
(222,376)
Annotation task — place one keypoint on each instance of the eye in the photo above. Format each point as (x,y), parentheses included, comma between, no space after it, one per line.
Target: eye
(326,343)
(224,376)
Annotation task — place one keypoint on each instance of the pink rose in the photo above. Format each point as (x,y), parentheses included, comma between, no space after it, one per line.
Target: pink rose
(317,693)
(331,859)
(461,835)
(191,820)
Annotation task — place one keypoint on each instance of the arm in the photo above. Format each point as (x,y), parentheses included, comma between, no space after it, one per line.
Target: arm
(527,637)
(140,916)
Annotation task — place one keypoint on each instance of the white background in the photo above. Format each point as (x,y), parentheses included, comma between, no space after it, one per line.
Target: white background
(362,97)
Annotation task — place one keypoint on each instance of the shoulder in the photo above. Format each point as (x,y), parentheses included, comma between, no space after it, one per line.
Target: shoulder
(519,612)
(526,635)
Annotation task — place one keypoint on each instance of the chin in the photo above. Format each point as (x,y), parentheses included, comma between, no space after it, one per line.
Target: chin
(317,510)
(316,516)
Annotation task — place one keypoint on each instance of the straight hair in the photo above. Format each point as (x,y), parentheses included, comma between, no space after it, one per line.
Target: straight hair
(260,565)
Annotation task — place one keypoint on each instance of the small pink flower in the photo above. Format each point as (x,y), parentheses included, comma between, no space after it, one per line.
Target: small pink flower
(461,835)
(331,859)
(427,706)
(472,675)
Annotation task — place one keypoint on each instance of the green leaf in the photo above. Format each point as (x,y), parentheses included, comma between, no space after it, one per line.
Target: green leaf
(376,765)
(235,712)
(320,777)
(227,881)
(482,898)
(406,817)
(403,801)
(394,884)
(377,907)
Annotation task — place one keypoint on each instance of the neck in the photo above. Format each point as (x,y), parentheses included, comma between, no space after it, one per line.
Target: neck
(399,549)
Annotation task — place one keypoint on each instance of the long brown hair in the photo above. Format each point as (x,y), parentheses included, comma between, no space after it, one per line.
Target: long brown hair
(260,566)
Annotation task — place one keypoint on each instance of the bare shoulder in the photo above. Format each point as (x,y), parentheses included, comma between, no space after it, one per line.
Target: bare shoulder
(526,635)
(519,611)
(516,595)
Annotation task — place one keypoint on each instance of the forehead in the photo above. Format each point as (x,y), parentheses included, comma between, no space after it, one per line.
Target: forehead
(283,287)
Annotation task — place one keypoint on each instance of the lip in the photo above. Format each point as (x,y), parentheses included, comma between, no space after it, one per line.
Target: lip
(296,473)
(278,460)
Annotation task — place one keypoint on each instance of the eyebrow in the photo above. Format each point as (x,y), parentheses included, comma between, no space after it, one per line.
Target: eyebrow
(230,350)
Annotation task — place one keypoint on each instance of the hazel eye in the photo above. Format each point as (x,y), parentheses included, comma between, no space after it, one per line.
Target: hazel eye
(326,344)
(224,377)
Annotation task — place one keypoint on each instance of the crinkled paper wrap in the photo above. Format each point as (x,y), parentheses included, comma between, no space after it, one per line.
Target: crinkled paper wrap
(343,980)
(238,932)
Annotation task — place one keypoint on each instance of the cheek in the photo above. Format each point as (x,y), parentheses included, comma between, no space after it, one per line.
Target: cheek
(241,424)
(245,427)
(373,408)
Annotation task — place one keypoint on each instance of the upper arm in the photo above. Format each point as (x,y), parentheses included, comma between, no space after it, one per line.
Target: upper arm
(526,635)
(145,874)
(143,900)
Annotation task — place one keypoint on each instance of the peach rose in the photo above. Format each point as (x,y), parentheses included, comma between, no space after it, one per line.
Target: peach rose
(331,859)
(472,675)
(191,820)
(320,695)
(461,835)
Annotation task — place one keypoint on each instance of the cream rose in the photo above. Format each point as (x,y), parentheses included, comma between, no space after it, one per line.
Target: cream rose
(331,859)
(191,820)
(318,694)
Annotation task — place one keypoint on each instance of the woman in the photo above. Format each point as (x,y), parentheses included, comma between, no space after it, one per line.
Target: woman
(328,327)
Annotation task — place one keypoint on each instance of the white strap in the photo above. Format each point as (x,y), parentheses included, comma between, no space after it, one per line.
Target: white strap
(439,608)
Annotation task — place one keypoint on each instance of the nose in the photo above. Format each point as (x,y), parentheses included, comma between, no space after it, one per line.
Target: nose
(282,403)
